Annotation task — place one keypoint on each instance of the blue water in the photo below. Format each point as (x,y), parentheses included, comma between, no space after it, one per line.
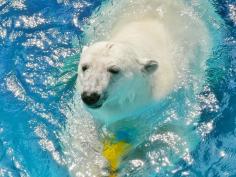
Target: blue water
(36,39)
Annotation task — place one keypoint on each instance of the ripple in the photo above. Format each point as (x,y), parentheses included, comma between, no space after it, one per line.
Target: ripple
(3,32)
(15,87)
(48,145)
(232,13)
(30,21)
(18,4)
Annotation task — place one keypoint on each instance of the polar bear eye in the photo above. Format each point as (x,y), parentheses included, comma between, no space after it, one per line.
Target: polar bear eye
(84,67)
(113,70)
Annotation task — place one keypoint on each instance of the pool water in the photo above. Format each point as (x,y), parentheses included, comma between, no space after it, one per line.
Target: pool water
(40,42)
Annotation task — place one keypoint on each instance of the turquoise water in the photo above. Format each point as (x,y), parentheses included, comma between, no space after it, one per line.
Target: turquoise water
(40,42)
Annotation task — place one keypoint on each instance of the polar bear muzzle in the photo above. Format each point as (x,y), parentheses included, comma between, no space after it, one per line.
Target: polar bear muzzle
(92,100)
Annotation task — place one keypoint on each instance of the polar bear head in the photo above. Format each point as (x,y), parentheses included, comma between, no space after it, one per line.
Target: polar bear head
(111,72)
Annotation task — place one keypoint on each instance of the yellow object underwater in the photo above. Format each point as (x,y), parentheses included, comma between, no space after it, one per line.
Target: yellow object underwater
(114,152)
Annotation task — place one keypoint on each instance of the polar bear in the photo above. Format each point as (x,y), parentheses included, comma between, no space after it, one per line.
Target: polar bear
(144,56)
(136,67)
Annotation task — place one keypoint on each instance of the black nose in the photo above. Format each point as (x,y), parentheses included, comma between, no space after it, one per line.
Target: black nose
(90,98)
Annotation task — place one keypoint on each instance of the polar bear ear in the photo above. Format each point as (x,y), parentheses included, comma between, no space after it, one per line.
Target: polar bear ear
(84,48)
(150,66)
